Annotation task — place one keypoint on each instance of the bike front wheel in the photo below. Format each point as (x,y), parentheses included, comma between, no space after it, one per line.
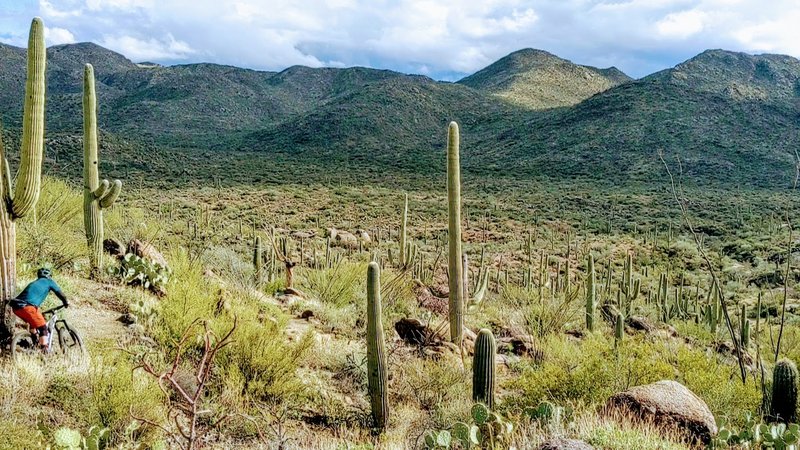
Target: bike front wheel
(69,341)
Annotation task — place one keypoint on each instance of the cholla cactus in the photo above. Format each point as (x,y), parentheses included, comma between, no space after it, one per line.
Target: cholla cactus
(19,201)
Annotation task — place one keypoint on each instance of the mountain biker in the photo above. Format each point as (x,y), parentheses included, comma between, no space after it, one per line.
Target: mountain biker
(26,305)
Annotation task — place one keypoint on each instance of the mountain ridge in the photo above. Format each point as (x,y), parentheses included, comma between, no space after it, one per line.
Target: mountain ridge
(728,115)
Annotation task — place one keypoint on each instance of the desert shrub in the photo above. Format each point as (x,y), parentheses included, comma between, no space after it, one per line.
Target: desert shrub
(230,266)
(116,390)
(590,371)
(21,436)
(542,317)
(430,384)
(718,383)
(55,237)
(340,286)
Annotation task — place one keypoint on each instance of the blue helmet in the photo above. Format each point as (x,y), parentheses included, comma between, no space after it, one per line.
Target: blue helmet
(43,273)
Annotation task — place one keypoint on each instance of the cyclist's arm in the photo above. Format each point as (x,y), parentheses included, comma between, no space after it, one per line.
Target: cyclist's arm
(57,290)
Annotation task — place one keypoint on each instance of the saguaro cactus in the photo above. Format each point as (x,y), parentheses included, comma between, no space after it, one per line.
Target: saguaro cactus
(403,224)
(258,260)
(18,202)
(783,407)
(455,263)
(97,195)
(591,294)
(483,368)
(377,377)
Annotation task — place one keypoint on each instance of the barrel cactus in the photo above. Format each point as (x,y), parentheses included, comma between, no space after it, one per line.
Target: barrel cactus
(97,195)
(377,377)
(483,368)
(783,407)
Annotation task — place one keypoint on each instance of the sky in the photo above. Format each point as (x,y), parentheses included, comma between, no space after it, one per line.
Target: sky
(445,40)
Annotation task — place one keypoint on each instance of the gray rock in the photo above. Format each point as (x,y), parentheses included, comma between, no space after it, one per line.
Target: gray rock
(564,444)
(669,405)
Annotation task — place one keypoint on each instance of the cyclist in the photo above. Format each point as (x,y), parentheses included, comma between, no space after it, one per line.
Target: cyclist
(26,305)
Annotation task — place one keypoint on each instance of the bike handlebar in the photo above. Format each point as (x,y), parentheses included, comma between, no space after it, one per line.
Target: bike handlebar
(52,310)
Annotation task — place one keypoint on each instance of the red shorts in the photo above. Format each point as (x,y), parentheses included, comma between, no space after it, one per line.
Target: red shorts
(31,315)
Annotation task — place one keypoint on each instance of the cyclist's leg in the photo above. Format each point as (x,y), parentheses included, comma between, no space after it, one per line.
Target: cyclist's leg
(43,332)
(35,320)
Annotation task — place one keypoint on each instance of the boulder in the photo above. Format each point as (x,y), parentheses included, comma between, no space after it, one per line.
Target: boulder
(114,247)
(127,319)
(668,405)
(564,444)
(640,323)
(146,250)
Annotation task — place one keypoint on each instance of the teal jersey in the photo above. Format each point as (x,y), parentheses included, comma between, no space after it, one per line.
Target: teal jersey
(35,293)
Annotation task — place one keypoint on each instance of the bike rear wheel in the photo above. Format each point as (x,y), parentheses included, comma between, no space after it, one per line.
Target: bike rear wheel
(23,344)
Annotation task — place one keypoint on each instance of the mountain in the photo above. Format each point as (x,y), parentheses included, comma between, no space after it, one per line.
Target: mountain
(731,118)
(536,79)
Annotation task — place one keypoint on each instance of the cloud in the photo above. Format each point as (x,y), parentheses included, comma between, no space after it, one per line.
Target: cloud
(681,25)
(444,39)
(148,50)
(58,36)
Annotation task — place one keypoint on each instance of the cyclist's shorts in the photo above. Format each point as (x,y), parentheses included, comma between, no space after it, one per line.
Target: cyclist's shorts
(31,315)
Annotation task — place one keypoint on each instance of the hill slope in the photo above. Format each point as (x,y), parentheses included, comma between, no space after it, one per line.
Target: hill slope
(536,79)
(731,117)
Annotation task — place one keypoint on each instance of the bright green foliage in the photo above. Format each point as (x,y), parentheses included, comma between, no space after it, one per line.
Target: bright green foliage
(483,376)
(143,271)
(97,195)
(487,430)
(455,262)
(783,407)
(591,294)
(69,439)
(377,375)
(778,436)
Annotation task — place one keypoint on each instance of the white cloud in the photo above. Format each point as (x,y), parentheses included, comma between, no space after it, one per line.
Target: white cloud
(58,36)
(681,24)
(150,49)
(458,36)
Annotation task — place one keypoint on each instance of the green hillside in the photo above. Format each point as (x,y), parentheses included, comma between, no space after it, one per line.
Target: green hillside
(536,79)
(731,117)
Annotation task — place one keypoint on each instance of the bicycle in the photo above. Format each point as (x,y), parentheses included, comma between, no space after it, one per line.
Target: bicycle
(27,343)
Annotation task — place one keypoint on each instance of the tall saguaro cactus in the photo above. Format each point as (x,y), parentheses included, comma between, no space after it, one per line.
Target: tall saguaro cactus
(97,195)
(591,294)
(377,376)
(483,368)
(18,202)
(455,263)
(403,225)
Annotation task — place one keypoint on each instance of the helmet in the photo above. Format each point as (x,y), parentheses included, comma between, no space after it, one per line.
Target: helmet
(43,273)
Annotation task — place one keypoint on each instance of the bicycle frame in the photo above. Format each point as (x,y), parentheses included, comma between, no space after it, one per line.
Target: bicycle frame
(51,326)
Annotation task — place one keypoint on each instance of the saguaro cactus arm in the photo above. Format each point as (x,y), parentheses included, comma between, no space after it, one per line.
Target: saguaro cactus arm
(111,196)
